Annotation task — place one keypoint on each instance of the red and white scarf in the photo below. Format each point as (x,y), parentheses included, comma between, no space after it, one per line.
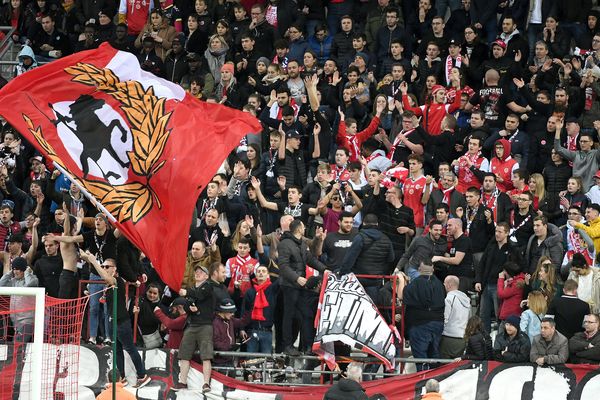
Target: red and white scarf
(447,193)
(449,66)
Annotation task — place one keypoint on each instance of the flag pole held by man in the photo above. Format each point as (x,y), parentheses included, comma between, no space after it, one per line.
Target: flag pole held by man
(140,145)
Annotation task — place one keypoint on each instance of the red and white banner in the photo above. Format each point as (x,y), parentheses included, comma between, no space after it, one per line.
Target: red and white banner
(141,145)
(458,381)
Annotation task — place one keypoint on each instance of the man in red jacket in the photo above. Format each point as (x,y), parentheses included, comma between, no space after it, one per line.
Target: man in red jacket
(434,111)
(348,137)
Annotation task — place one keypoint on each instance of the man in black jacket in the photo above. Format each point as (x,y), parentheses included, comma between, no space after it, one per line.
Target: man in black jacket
(199,330)
(371,253)
(497,252)
(348,388)
(424,299)
(477,221)
(294,257)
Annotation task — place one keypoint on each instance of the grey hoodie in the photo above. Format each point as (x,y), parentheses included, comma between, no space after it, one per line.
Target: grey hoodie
(26,51)
(456,314)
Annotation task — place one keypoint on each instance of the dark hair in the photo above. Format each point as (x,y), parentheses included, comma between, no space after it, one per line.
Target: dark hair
(287,111)
(443,206)
(521,173)
(370,220)
(549,320)
(511,268)
(244,240)
(283,89)
(345,214)
(295,225)
(542,219)
(434,222)
(344,149)
(281,44)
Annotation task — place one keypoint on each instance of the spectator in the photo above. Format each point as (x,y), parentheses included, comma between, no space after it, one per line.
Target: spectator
(592,216)
(199,332)
(135,14)
(175,322)
(588,281)
(294,256)
(18,274)
(424,302)
(225,327)
(478,341)
(148,324)
(456,316)
(531,318)
(27,61)
(512,345)
(545,241)
(546,280)
(260,302)
(584,347)
(349,387)
(585,161)
(550,347)
(459,260)
(423,247)
(49,43)
(432,390)
(511,286)
(108,272)
(568,310)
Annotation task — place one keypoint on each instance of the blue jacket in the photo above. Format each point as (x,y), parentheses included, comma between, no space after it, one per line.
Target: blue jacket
(322,49)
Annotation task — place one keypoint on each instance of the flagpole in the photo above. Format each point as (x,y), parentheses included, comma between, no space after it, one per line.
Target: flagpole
(86,193)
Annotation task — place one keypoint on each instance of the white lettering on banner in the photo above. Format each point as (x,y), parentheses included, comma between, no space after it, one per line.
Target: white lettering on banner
(348,314)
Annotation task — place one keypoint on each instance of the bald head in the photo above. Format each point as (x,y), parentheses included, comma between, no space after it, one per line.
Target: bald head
(492,76)
(455,227)
(451,283)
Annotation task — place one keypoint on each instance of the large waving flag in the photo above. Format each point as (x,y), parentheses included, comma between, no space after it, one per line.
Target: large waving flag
(140,145)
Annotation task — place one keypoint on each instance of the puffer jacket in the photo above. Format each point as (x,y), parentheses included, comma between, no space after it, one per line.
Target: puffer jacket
(346,389)
(552,247)
(517,349)
(371,253)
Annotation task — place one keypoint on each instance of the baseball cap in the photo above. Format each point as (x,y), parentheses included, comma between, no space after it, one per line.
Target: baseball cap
(292,134)
(499,42)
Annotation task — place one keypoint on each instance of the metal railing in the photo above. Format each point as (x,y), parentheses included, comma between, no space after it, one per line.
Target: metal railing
(265,370)
(6,44)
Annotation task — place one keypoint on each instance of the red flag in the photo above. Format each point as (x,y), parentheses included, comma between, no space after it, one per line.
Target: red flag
(139,144)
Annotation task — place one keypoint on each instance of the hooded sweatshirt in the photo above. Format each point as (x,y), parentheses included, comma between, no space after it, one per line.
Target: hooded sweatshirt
(21,68)
(456,314)
(504,167)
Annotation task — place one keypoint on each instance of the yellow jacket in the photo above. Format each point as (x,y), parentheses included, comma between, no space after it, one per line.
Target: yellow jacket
(593,231)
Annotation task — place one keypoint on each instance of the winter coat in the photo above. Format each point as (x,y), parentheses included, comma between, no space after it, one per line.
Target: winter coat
(594,302)
(552,247)
(580,352)
(294,256)
(346,389)
(585,164)
(424,299)
(517,349)
(166,32)
(556,351)
(479,347)
(371,253)
(511,291)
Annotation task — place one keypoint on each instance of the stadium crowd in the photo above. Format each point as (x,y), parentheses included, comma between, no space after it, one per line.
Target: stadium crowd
(453,144)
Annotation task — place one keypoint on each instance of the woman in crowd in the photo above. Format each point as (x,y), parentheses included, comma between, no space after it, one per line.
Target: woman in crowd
(545,279)
(148,324)
(479,343)
(531,319)
(160,31)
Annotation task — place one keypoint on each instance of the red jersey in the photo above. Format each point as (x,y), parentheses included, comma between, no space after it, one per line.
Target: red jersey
(413,192)
(239,269)
(353,142)
(466,178)
(136,13)
(340,174)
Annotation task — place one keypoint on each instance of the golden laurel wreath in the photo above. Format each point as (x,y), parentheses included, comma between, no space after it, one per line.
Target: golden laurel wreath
(148,124)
